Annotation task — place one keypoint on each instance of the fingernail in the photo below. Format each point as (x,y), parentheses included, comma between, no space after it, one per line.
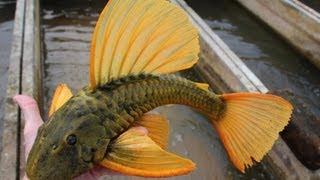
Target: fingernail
(14,99)
(143,129)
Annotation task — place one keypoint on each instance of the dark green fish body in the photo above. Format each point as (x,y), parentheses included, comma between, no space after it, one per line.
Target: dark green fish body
(119,103)
(96,117)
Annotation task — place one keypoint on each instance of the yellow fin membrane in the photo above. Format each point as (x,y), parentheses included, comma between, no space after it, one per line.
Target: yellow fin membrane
(250,125)
(203,86)
(134,153)
(61,96)
(149,36)
(157,126)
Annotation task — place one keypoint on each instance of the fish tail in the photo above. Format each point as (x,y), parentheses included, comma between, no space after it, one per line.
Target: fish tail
(250,125)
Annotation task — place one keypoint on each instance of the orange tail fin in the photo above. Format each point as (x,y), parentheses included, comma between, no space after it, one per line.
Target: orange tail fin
(250,125)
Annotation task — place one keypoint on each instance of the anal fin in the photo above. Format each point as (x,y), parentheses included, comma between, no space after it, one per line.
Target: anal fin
(134,153)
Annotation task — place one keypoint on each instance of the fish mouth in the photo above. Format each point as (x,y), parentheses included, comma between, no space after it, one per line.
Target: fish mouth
(45,171)
(52,174)
(46,167)
(40,167)
(38,170)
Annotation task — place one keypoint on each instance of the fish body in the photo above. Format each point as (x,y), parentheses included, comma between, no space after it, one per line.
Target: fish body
(97,117)
(135,45)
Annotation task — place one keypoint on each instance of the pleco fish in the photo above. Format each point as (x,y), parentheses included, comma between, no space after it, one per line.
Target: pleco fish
(135,45)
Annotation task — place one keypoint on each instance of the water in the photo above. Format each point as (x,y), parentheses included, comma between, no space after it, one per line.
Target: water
(67,37)
(264,52)
(6,25)
(68,27)
(314,4)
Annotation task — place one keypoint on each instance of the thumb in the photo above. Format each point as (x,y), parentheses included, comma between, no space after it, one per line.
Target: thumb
(33,121)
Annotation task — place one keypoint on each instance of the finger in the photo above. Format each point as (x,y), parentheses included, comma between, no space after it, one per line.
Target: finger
(96,173)
(25,177)
(32,118)
(142,129)
(99,171)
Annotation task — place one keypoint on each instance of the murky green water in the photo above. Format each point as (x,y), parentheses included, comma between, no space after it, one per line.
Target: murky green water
(7,8)
(265,53)
(68,28)
(314,4)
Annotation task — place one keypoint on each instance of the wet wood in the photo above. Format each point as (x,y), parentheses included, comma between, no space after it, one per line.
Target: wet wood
(24,78)
(303,132)
(297,23)
(10,150)
(218,58)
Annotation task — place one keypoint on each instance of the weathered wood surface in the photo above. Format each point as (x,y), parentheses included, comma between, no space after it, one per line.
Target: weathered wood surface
(218,59)
(296,22)
(9,152)
(24,78)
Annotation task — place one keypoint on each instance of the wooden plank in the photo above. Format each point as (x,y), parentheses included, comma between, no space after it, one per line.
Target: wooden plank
(219,59)
(24,78)
(31,83)
(297,23)
(10,150)
(226,63)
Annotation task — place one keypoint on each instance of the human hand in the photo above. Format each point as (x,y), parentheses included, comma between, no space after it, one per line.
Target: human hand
(33,121)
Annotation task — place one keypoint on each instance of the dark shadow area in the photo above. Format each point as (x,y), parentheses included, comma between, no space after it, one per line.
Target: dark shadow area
(314,4)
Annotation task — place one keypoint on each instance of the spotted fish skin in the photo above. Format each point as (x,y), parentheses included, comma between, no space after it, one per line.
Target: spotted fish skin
(97,117)
(120,102)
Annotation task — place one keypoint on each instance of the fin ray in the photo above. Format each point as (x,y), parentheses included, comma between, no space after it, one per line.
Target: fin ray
(157,126)
(134,153)
(250,125)
(61,95)
(142,36)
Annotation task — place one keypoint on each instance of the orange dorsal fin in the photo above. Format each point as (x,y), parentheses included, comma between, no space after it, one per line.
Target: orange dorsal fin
(61,96)
(141,36)
(134,153)
(157,126)
(250,125)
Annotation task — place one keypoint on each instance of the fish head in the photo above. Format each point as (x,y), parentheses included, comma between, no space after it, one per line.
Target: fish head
(66,146)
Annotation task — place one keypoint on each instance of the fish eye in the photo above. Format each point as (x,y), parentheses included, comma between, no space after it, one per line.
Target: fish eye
(72,139)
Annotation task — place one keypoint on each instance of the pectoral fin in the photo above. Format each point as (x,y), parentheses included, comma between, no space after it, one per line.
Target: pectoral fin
(61,96)
(158,128)
(134,153)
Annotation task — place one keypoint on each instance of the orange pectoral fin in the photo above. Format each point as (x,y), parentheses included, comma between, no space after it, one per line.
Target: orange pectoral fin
(134,153)
(157,126)
(61,96)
